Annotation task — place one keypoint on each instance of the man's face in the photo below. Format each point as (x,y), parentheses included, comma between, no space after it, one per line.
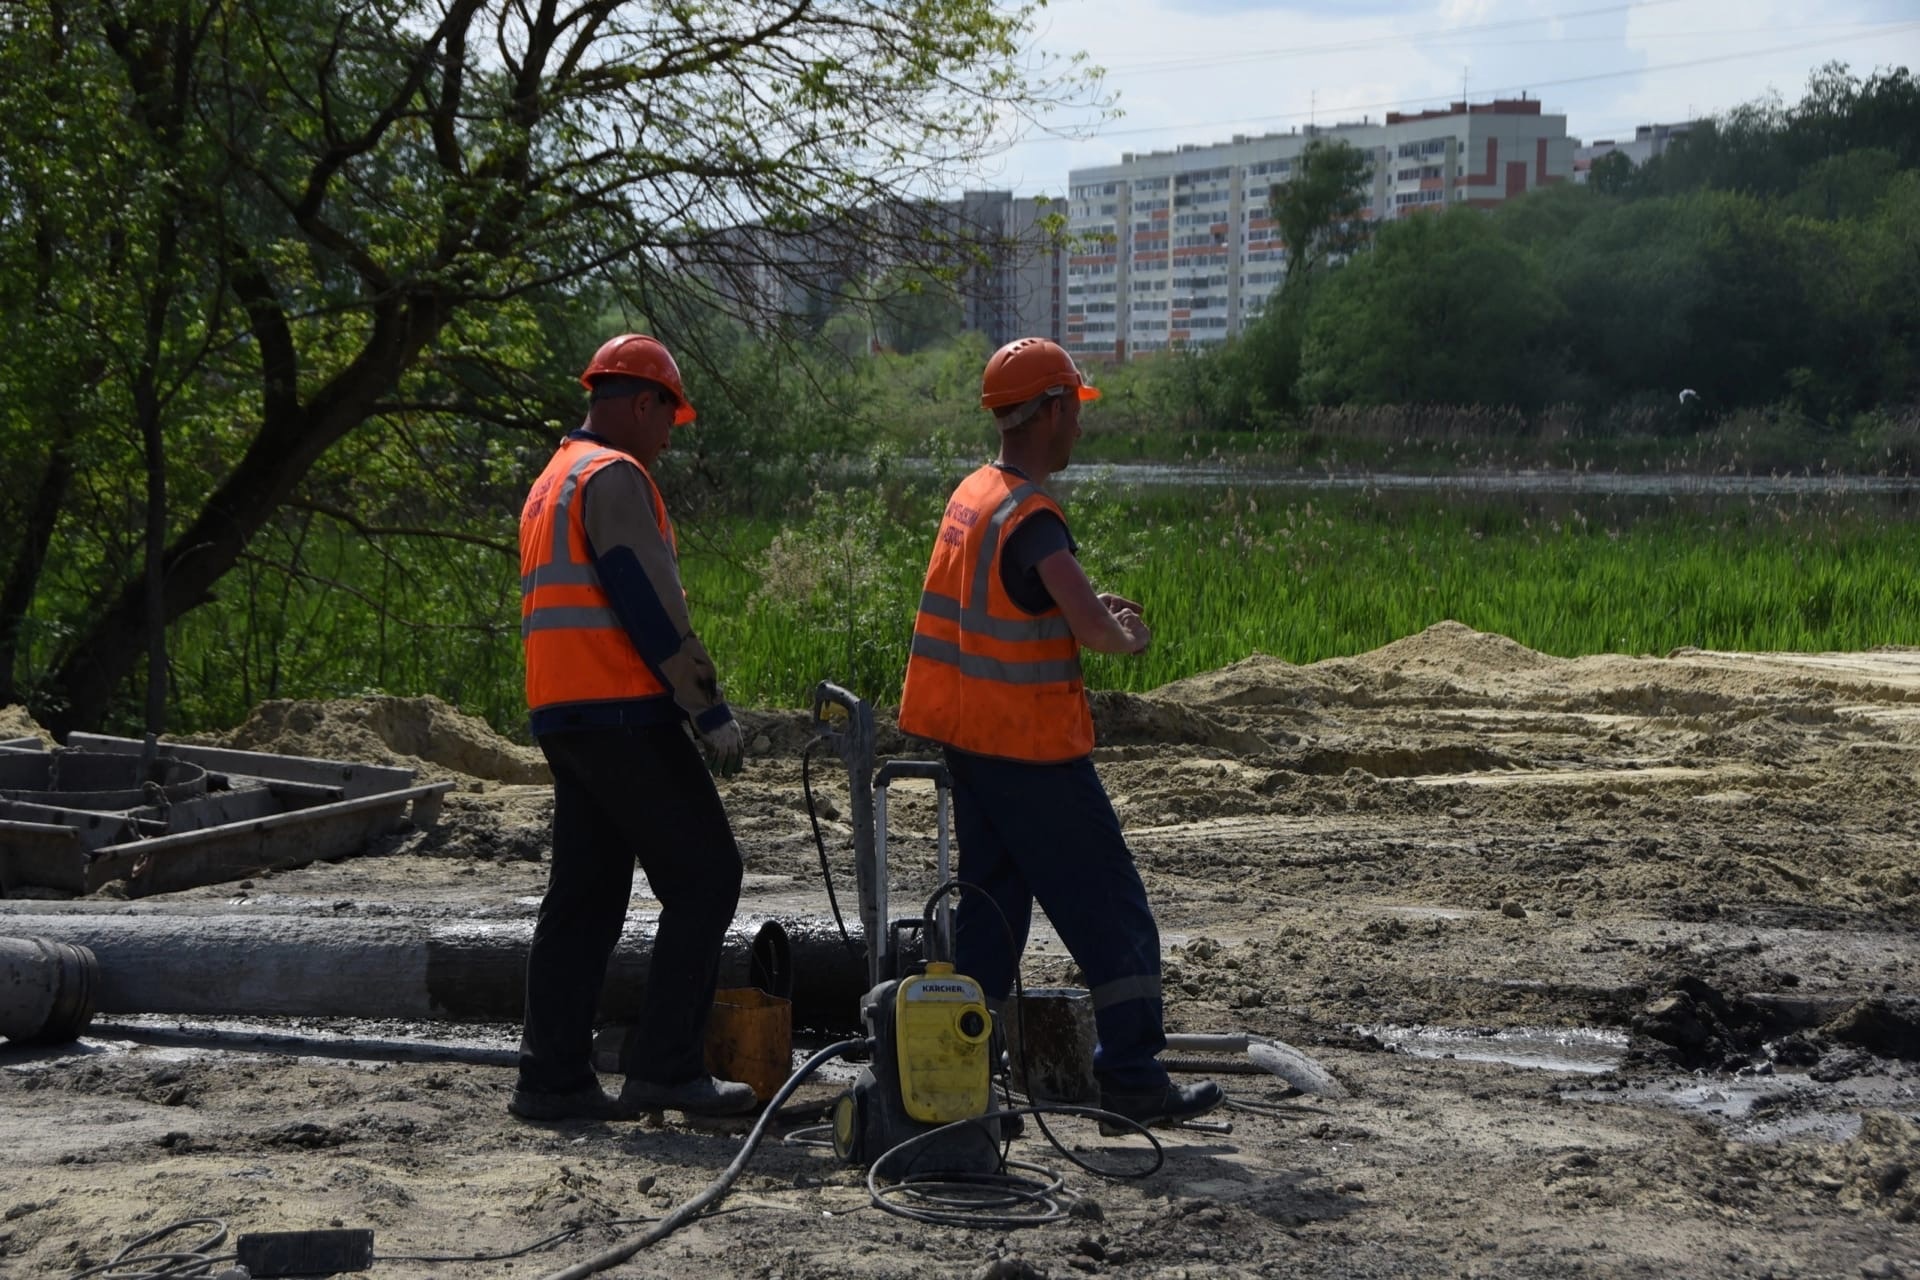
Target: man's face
(652,424)
(1063,417)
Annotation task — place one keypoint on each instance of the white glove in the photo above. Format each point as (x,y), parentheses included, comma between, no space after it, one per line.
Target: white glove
(725,748)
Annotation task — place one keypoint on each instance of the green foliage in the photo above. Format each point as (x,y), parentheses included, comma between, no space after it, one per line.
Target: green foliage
(842,575)
(1320,210)
(1444,309)
(249,231)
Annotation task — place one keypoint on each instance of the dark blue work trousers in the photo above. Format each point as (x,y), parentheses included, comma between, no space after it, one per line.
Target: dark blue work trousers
(620,795)
(1047,833)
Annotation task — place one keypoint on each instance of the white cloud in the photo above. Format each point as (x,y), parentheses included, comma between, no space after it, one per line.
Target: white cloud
(1203,70)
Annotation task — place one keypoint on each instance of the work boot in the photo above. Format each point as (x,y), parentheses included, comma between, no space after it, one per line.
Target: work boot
(588,1102)
(1167,1105)
(700,1096)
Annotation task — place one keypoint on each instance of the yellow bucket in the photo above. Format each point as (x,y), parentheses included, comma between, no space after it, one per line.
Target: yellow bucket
(750,1038)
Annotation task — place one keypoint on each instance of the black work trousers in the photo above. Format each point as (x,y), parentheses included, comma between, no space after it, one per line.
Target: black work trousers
(621,795)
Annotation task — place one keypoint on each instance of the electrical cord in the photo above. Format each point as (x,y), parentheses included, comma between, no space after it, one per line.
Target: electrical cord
(693,1208)
(165,1264)
(819,843)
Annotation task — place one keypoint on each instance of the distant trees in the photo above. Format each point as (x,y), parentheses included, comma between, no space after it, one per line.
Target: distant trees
(1444,309)
(1320,210)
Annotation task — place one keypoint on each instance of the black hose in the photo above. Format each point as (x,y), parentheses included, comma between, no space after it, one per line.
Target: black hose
(693,1208)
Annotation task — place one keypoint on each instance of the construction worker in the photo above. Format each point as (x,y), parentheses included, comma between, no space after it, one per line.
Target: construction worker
(994,677)
(614,677)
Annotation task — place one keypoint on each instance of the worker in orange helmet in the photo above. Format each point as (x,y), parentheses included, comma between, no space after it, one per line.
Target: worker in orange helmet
(994,677)
(615,676)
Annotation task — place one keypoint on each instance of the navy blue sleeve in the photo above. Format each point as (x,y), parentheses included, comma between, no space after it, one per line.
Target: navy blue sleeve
(1039,536)
(635,602)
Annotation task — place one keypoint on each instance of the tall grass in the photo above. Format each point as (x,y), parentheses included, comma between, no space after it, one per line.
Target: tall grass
(1226,575)
(830,594)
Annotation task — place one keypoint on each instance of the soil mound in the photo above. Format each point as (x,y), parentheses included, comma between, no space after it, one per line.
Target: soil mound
(17,722)
(423,733)
(1256,681)
(1451,648)
(1121,719)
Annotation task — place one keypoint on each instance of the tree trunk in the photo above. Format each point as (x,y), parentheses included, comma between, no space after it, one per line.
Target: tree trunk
(290,441)
(23,575)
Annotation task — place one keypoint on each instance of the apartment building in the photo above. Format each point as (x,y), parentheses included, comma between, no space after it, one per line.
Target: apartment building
(1175,249)
(1006,252)
(1648,141)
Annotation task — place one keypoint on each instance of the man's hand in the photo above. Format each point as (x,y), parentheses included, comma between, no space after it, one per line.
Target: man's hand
(725,749)
(1115,604)
(1138,633)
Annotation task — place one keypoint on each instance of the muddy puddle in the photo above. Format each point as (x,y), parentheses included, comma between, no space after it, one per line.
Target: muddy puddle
(1588,1050)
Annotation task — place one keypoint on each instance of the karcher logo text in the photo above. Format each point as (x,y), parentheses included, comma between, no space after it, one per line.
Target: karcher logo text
(945,988)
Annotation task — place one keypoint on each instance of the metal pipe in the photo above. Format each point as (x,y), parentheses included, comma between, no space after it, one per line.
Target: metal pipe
(285,966)
(47,990)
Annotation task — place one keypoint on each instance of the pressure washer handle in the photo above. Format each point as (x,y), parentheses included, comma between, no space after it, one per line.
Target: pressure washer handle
(828,692)
(927,771)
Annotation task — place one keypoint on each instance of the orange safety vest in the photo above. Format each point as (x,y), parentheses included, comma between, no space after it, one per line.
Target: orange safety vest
(984,675)
(577,651)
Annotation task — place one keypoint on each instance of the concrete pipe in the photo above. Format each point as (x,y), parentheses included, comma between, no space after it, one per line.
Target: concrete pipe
(466,970)
(47,990)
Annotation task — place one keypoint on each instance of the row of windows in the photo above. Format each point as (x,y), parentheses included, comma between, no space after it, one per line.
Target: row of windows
(1149,206)
(1195,219)
(1201,175)
(1257,278)
(1198,239)
(1149,286)
(1200,199)
(1424,171)
(1425,147)
(1150,184)
(1406,198)
(1270,166)
(1091,190)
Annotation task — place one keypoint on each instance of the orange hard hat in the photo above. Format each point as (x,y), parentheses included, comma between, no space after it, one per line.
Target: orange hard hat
(635,355)
(1030,367)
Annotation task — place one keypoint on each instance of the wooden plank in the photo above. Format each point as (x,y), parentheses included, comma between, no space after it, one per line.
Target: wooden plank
(354,779)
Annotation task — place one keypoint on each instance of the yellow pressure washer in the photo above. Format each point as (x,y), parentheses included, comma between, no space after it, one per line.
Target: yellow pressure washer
(931,1032)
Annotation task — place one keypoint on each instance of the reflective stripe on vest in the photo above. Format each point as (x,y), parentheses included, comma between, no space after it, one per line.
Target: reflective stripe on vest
(982,674)
(577,650)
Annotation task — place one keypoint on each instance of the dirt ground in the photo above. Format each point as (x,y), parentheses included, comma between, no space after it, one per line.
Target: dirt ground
(1617,959)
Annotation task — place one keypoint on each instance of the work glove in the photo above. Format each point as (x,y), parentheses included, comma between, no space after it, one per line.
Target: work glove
(725,749)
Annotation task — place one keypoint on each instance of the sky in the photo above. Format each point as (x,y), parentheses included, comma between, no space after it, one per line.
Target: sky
(1201,71)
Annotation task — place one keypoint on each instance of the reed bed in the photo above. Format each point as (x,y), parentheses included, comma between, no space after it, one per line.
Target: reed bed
(1223,575)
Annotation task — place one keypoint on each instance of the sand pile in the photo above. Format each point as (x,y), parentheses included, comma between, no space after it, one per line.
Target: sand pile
(424,734)
(17,722)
